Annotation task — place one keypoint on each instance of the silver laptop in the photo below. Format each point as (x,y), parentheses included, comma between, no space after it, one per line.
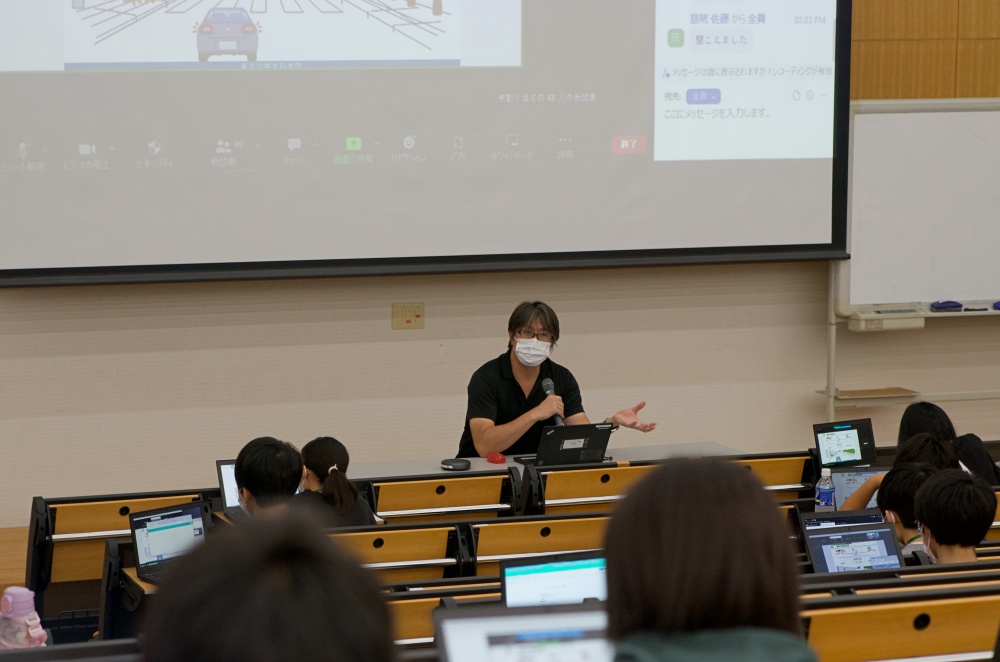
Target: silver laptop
(541,634)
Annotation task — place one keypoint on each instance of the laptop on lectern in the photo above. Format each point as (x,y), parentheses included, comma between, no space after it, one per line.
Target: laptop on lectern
(570,444)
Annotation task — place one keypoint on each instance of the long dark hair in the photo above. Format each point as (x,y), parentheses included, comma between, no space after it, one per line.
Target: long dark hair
(925,417)
(698,544)
(328,459)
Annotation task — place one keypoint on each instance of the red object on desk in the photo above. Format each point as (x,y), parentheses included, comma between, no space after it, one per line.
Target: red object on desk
(496,458)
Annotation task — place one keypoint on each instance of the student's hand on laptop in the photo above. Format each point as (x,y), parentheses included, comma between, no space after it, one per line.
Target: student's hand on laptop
(629,418)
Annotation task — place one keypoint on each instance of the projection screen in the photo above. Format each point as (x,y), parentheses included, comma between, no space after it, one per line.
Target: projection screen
(152,140)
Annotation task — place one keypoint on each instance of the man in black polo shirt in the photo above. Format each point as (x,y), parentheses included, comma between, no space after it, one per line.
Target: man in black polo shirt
(507,406)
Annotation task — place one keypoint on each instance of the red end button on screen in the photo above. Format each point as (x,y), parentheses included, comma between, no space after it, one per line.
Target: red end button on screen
(628,145)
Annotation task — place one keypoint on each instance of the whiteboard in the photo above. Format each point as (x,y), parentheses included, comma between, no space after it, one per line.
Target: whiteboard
(924,198)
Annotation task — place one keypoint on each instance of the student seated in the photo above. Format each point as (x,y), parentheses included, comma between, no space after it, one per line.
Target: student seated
(929,418)
(268,591)
(700,566)
(922,447)
(325,485)
(268,472)
(895,500)
(954,510)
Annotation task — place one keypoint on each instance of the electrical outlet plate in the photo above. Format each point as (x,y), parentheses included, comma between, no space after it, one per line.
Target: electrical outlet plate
(407,316)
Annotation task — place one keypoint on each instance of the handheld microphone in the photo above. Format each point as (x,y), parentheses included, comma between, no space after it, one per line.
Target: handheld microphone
(550,389)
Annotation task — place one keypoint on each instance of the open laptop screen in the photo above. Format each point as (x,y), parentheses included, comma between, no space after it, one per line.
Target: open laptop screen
(557,580)
(166,533)
(535,634)
(847,480)
(846,549)
(839,518)
(227,483)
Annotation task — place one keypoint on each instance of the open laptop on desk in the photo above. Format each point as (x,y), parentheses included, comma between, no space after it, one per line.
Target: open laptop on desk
(558,579)
(164,534)
(570,444)
(849,548)
(230,495)
(846,480)
(838,518)
(540,634)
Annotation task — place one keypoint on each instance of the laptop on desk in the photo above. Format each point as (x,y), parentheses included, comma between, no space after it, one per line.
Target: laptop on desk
(230,495)
(850,548)
(557,579)
(838,518)
(161,535)
(540,634)
(570,444)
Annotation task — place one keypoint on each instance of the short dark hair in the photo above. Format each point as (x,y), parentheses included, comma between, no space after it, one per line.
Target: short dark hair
(268,591)
(957,507)
(698,544)
(925,447)
(899,487)
(320,456)
(270,470)
(925,417)
(528,311)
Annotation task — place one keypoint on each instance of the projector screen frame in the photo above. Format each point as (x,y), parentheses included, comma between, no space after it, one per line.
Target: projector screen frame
(836,249)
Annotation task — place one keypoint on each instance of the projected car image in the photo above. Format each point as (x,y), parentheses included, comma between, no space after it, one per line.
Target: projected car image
(227,32)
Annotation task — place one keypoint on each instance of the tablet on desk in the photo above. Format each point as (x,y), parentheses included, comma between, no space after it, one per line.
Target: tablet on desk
(845,443)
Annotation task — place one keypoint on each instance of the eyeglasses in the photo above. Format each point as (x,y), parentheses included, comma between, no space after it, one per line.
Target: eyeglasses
(524,334)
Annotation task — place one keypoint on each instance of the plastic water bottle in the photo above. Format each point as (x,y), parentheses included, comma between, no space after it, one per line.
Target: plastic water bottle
(826,493)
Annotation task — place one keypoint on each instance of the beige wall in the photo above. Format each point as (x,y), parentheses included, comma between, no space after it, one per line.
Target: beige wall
(130,388)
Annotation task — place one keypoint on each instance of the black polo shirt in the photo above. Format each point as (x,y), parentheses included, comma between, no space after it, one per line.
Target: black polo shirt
(494,394)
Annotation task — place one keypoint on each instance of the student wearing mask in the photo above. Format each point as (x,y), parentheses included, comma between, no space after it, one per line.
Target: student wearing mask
(895,500)
(954,511)
(268,472)
(507,407)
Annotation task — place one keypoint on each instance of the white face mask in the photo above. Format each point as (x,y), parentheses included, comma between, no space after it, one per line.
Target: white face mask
(531,352)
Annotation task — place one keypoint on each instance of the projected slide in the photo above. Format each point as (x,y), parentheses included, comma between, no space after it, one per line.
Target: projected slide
(744,79)
(258,34)
(408,135)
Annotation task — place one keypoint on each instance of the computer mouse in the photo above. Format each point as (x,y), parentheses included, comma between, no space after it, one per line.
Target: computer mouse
(496,458)
(456,464)
(996,305)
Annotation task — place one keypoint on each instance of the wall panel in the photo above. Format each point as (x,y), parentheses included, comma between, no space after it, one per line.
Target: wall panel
(978,68)
(979,19)
(904,19)
(903,69)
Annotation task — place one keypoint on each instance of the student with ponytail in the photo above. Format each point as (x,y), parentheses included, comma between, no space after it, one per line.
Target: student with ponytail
(325,484)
